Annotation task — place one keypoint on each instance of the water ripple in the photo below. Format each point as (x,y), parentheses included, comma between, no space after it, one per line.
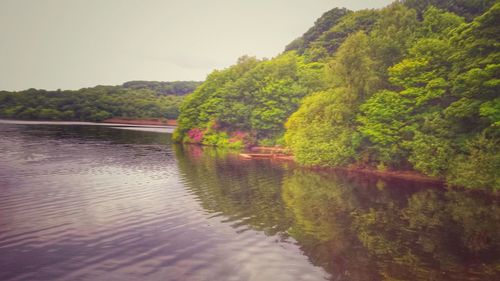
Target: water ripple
(84,204)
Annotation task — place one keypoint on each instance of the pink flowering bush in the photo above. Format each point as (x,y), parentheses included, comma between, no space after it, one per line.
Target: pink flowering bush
(215,135)
(195,135)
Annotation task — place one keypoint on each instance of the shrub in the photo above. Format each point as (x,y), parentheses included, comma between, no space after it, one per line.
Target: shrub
(195,135)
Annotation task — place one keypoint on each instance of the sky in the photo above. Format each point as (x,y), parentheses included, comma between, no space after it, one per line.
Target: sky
(71,44)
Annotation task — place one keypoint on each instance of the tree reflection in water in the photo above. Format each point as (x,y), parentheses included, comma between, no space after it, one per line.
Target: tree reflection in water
(355,227)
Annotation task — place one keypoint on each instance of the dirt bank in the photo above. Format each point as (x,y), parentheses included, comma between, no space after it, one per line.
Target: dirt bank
(282,154)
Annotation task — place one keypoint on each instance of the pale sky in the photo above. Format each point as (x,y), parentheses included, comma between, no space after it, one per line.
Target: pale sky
(70,44)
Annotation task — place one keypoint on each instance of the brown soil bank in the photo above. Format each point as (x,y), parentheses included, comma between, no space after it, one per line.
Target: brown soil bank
(150,121)
(282,154)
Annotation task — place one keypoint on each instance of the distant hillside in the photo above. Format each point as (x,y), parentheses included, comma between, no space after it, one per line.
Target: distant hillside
(178,88)
(134,99)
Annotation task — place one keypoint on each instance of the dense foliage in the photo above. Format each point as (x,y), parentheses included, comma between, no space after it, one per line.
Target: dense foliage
(466,8)
(254,97)
(415,85)
(137,99)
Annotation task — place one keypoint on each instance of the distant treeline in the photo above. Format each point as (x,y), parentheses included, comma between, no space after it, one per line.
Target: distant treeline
(177,88)
(412,86)
(135,99)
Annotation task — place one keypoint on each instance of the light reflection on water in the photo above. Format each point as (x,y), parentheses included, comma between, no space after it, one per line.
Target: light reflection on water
(97,203)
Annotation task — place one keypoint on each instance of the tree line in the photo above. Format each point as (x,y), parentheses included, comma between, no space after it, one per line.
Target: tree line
(135,99)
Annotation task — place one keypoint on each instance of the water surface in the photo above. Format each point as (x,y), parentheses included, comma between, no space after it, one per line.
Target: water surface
(101,203)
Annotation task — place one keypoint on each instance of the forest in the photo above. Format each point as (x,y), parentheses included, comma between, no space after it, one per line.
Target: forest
(134,99)
(414,86)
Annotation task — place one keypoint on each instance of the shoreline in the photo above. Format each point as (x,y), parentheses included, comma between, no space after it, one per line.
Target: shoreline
(114,123)
(276,154)
(146,121)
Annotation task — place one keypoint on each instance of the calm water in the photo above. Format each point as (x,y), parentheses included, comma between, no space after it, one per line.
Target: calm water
(101,203)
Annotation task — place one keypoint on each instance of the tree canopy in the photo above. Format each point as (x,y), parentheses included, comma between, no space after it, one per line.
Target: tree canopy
(412,86)
(135,99)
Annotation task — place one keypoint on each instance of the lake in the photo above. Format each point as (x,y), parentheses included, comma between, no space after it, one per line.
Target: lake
(85,202)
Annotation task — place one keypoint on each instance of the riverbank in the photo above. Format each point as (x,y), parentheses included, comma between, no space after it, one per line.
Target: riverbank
(109,122)
(136,127)
(149,121)
(282,154)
